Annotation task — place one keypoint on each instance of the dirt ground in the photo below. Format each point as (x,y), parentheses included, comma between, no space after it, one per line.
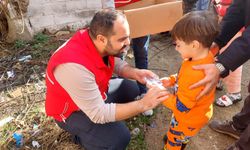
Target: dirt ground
(164,60)
(26,103)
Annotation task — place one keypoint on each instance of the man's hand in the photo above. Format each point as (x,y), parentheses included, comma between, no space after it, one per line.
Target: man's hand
(153,97)
(210,80)
(141,74)
(136,74)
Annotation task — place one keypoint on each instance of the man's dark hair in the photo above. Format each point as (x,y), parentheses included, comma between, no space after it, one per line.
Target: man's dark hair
(197,25)
(103,22)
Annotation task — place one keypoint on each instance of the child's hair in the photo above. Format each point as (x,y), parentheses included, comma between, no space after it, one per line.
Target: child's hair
(197,25)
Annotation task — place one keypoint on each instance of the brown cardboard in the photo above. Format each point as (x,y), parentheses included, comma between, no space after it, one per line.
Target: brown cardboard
(152,16)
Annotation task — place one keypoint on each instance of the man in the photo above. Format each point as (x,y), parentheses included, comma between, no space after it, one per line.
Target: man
(238,52)
(80,95)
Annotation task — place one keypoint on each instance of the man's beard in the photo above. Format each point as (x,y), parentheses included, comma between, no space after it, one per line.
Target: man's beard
(122,52)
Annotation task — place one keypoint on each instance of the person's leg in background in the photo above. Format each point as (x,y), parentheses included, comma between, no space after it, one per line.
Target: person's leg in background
(140,48)
(232,83)
(241,121)
(112,135)
(238,128)
(189,5)
(202,4)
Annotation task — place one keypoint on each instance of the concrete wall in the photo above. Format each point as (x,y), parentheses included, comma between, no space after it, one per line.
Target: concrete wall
(52,15)
(56,14)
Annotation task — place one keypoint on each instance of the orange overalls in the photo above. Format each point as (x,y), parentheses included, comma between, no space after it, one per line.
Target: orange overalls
(189,114)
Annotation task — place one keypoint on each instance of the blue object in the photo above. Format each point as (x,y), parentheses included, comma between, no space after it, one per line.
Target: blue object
(180,106)
(19,139)
(202,4)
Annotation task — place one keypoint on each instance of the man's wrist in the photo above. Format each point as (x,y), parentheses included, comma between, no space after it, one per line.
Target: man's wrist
(140,106)
(136,74)
(222,69)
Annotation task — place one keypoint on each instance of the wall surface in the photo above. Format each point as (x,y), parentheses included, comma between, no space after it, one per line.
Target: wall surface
(52,15)
(56,14)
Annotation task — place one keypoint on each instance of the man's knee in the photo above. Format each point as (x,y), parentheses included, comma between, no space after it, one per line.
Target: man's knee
(131,86)
(122,140)
(113,136)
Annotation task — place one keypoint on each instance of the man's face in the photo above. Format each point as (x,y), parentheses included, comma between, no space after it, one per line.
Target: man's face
(117,52)
(118,44)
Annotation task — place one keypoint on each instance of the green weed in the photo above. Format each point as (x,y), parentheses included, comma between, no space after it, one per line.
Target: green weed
(19,44)
(138,141)
(41,38)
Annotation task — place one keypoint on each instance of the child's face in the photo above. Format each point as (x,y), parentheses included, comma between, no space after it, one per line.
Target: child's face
(184,49)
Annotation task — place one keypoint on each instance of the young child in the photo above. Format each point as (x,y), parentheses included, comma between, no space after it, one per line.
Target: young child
(193,35)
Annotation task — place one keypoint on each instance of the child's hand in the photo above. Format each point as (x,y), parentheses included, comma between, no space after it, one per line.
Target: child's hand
(155,81)
(166,81)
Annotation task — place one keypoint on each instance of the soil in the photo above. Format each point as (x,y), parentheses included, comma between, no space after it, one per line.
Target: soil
(29,105)
(164,56)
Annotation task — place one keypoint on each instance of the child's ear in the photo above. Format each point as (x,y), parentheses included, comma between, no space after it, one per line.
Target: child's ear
(196,44)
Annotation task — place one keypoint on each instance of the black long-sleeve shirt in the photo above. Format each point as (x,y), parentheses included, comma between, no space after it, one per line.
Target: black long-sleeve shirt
(237,16)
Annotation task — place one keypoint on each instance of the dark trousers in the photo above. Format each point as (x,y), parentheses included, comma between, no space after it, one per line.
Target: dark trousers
(140,48)
(109,136)
(188,5)
(241,121)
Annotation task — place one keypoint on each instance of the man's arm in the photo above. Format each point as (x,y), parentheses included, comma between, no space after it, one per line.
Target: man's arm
(237,53)
(232,22)
(80,84)
(124,70)
(234,56)
(82,88)
(153,97)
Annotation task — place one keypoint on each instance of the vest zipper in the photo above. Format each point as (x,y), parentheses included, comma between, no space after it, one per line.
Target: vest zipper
(66,106)
(49,78)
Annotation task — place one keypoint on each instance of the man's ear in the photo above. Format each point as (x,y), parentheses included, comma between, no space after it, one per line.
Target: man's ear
(101,39)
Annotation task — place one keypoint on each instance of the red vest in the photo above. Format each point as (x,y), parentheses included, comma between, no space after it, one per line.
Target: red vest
(119,3)
(81,50)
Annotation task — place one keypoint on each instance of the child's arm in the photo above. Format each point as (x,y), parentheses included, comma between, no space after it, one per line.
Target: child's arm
(169,81)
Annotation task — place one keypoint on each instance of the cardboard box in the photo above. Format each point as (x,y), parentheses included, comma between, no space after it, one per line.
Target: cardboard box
(152,16)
